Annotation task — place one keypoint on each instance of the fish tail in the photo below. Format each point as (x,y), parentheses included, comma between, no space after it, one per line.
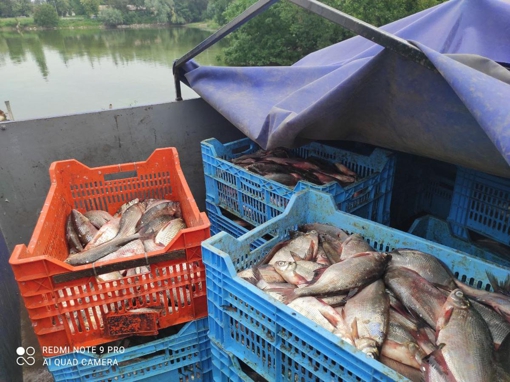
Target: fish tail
(288,294)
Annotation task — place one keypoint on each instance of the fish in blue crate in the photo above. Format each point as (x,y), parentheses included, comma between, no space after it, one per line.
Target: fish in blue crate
(404,307)
(288,169)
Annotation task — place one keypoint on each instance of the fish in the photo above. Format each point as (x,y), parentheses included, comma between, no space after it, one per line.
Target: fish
(170,231)
(304,246)
(73,241)
(83,227)
(125,206)
(416,293)
(325,229)
(345,170)
(332,247)
(106,233)
(400,346)
(322,258)
(249,276)
(129,220)
(351,273)
(322,314)
(102,250)
(497,301)
(263,285)
(268,273)
(130,249)
(293,273)
(285,179)
(98,218)
(335,301)
(503,354)
(161,209)
(353,245)
(468,346)
(435,369)
(310,265)
(155,225)
(111,276)
(409,372)
(426,265)
(138,271)
(498,326)
(368,312)
(151,246)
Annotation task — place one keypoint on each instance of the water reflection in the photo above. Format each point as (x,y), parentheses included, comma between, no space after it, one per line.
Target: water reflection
(121,46)
(57,72)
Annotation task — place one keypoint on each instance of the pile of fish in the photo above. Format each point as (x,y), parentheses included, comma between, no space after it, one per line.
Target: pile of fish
(283,167)
(138,227)
(404,308)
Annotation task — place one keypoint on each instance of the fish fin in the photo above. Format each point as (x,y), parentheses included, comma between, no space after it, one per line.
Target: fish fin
(310,254)
(257,274)
(266,259)
(502,287)
(352,293)
(287,294)
(354,327)
(436,361)
(251,280)
(317,274)
(443,320)
(295,256)
(361,254)
(333,319)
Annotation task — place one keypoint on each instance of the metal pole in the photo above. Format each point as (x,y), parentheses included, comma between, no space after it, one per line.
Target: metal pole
(236,23)
(9,110)
(380,37)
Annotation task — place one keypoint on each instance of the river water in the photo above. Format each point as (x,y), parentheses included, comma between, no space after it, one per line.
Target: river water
(59,72)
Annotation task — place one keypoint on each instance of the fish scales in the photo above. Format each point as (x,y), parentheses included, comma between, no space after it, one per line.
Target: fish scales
(468,346)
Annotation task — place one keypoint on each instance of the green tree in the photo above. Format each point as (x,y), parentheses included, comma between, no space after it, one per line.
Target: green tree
(285,33)
(76,7)
(45,15)
(216,10)
(62,6)
(162,10)
(15,8)
(111,17)
(90,7)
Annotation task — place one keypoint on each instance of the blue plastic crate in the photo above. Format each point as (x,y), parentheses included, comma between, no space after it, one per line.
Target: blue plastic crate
(183,357)
(437,230)
(481,203)
(226,366)
(257,200)
(422,186)
(279,343)
(221,223)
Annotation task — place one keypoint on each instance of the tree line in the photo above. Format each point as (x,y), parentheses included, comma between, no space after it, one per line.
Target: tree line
(279,36)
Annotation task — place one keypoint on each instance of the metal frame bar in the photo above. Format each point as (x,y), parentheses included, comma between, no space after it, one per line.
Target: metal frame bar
(370,32)
(236,23)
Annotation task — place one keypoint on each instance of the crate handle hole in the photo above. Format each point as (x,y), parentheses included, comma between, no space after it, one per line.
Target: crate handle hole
(242,149)
(121,175)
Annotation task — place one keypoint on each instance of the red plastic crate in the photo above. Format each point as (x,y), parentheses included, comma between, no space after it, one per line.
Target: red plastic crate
(68,307)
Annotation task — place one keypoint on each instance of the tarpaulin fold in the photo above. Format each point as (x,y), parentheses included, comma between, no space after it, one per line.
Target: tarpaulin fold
(357,90)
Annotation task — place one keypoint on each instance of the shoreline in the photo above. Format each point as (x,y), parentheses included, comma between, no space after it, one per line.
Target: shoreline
(199,25)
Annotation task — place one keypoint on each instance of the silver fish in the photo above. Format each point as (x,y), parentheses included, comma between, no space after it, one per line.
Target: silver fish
(129,220)
(96,253)
(368,312)
(305,247)
(83,227)
(106,233)
(353,245)
(293,273)
(167,208)
(416,293)
(132,248)
(170,231)
(351,273)
(468,346)
(98,217)
(325,229)
(72,238)
(426,265)
(409,372)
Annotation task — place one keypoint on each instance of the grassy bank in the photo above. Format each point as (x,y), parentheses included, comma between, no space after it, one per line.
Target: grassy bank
(8,24)
(64,22)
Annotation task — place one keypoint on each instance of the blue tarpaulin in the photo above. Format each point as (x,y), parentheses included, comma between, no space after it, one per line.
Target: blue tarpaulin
(356,90)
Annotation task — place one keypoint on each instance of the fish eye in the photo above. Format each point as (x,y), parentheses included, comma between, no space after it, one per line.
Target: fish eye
(459,293)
